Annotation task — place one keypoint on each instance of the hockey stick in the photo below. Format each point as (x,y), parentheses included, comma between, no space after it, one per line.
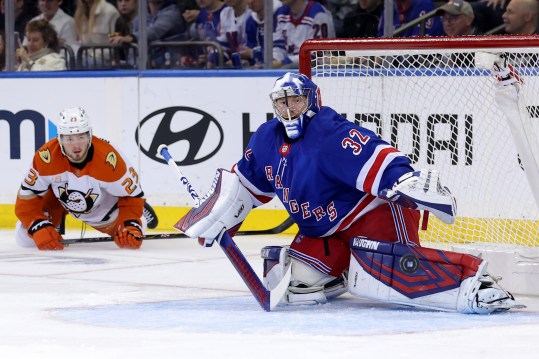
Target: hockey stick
(111,239)
(287,223)
(268,299)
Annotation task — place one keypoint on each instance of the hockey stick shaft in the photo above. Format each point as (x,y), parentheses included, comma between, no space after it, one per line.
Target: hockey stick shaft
(264,297)
(287,223)
(111,239)
(163,150)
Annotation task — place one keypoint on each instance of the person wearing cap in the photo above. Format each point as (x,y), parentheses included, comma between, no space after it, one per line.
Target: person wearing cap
(457,18)
(521,17)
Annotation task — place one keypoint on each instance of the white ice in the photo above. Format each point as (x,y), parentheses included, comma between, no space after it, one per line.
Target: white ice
(175,299)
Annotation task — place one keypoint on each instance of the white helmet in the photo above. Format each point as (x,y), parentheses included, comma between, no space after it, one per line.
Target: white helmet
(73,121)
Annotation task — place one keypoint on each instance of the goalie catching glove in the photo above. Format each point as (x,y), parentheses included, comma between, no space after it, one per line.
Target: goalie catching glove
(223,208)
(422,190)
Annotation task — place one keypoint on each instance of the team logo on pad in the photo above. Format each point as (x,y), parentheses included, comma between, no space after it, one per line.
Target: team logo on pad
(409,264)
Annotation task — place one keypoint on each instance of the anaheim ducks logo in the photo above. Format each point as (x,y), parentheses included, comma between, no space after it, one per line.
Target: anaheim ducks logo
(77,202)
(112,159)
(45,155)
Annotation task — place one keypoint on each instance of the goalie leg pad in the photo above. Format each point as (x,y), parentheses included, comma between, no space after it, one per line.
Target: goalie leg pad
(423,277)
(224,207)
(307,285)
(422,190)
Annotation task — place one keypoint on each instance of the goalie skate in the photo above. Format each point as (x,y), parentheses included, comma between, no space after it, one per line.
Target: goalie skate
(490,299)
(482,294)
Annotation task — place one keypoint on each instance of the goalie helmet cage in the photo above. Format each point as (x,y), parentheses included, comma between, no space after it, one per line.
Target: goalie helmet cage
(426,97)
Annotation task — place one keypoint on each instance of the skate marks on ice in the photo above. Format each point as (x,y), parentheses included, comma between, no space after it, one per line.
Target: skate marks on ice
(346,316)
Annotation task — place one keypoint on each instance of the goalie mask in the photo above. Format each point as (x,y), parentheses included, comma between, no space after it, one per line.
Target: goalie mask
(295,99)
(74,121)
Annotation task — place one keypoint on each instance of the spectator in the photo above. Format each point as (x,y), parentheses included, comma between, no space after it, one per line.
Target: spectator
(122,33)
(164,23)
(207,24)
(206,27)
(297,21)
(189,10)
(42,54)
(126,22)
(521,17)
(457,18)
(233,19)
(488,15)
(24,11)
(340,9)
(364,21)
(254,32)
(407,10)
(94,21)
(60,21)
(2,51)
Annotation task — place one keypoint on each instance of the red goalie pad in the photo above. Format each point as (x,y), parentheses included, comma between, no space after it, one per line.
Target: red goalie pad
(410,270)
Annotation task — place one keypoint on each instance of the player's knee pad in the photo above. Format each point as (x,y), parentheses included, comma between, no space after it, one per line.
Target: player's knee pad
(224,207)
(307,285)
(423,277)
(22,238)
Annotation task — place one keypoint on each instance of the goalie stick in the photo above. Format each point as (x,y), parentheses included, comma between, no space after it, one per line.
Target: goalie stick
(268,299)
(287,223)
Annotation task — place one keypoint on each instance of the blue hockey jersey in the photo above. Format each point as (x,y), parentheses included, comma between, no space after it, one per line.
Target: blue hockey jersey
(326,179)
(408,10)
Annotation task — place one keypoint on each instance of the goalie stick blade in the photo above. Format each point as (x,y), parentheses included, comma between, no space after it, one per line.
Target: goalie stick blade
(277,293)
(268,300)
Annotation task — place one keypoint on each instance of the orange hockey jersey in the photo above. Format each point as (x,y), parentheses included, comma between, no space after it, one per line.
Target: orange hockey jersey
(91,193)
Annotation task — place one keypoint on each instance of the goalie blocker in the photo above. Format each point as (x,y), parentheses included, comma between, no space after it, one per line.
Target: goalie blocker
(224,207)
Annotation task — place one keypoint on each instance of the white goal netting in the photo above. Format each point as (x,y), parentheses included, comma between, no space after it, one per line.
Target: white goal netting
(427,98)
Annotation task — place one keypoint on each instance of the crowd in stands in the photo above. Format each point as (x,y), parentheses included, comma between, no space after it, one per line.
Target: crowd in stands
(230,33)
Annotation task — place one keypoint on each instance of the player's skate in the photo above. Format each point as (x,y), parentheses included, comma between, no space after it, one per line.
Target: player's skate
(482,294)
(422,190)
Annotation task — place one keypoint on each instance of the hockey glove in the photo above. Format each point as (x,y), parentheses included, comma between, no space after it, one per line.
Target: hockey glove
(422,190)
(129,234)
(224,207)
(45,236)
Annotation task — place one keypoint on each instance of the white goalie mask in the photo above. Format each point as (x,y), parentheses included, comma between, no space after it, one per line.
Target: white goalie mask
(295,99)
(73,121)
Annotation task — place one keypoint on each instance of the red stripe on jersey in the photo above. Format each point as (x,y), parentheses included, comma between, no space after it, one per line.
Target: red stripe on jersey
(363,203)
(296,21)
(375,168)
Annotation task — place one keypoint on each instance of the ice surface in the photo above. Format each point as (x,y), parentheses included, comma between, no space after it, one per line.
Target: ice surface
(175,299)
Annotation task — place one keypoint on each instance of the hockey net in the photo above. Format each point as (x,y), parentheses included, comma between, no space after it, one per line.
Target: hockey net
(426,97)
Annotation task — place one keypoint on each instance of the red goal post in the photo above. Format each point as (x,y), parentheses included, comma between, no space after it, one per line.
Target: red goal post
(426,97)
